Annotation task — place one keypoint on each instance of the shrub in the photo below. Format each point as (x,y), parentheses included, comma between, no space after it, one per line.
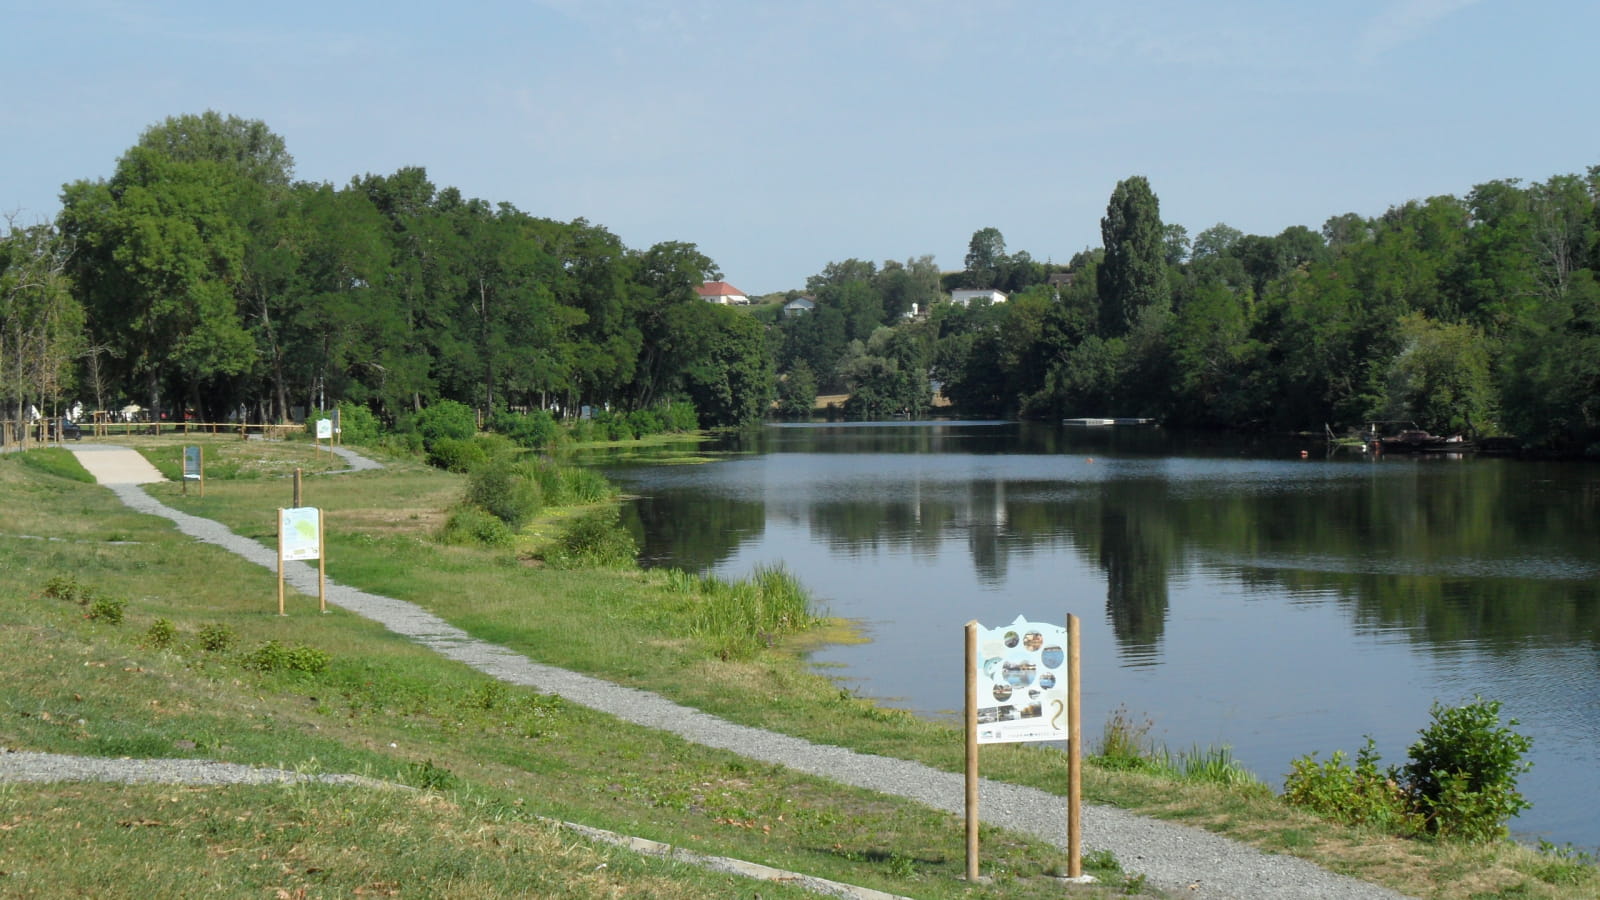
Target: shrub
(457,455)
(597,540)
(680,416)
(429,777)
(646,422)
(446,419)
(216,638)
(535,431)
(1357,796)
(1462,777)
(471,525)
(357,424)
(275,657)
(160,634)
(65,587)
(107,609)
(507,494)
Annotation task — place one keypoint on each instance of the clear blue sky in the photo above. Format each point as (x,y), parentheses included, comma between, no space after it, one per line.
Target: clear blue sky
(780,136)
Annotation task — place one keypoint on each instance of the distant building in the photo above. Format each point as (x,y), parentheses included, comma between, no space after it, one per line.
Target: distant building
(965,296)
(722,292)
(799,305)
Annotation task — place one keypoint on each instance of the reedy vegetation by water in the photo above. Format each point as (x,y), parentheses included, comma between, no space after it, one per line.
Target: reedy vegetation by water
(500,750)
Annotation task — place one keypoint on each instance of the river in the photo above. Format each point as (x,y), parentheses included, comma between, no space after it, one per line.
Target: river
(1232,593)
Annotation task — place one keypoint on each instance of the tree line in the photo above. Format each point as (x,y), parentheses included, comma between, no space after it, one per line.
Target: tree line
(1476,314)
(202,276)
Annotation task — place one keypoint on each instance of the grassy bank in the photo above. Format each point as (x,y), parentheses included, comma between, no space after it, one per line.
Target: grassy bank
(498,757)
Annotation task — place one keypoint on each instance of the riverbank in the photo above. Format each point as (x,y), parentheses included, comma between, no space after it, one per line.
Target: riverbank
(379,530)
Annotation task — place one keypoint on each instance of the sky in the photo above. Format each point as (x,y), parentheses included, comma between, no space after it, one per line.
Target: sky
(782,136)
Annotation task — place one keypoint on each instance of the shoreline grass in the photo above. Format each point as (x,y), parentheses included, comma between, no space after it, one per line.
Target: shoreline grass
(631,632)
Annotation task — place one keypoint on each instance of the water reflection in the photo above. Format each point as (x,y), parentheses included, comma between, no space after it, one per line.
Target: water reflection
(1249,596)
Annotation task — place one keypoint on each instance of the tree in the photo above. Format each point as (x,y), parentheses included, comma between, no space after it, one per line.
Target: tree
(797,392)
(1178,244)
(41,324)
(158,253)
(1216,241)
(1440,377)
(1133,277)
(731,385)
(986,258)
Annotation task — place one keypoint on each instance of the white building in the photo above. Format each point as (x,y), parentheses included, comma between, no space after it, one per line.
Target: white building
(965,296)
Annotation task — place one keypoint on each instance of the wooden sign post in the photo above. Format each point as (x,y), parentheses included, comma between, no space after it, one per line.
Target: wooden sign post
(1022,685)
(300,538)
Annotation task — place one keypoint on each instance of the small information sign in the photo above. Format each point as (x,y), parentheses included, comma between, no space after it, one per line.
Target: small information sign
(324,429)
(191,464)
(301,533)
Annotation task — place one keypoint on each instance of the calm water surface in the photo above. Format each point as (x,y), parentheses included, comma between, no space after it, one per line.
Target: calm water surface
(1232,594)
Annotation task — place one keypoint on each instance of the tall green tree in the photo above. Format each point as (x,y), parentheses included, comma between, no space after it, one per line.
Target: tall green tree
(1133,278)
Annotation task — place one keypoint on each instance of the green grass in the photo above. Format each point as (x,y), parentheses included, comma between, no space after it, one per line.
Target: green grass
(498,758)
(497,745)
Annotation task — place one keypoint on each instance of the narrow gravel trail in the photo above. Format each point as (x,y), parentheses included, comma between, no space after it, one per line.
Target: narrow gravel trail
(1184,861)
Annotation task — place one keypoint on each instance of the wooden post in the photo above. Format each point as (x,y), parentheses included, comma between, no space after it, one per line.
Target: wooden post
(1074,755)
(322,566)
(296,488)
(280,563)
(972,750)
(183,469)
(202,449)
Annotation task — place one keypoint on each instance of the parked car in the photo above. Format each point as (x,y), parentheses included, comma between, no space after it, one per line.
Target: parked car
(68,428)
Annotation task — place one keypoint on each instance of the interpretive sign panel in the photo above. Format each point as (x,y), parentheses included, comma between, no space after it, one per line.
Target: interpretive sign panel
(1022,682)
(300,533)
(191,464)
(324,429)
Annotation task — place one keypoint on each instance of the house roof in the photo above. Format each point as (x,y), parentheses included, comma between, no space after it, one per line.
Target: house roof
(718,289)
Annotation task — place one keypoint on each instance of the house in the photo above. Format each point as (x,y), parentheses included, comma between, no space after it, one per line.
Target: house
(799,305)
(965,296)
(722,292)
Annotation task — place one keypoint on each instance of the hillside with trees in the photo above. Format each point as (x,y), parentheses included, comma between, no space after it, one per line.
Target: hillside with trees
(202,276)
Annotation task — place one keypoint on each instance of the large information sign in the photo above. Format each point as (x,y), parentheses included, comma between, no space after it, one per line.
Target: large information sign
(1022,683)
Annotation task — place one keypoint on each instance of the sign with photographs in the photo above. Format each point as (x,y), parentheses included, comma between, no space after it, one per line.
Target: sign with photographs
(1022,680)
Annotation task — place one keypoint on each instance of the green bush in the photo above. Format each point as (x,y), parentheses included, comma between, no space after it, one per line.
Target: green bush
(680,416)
(536,430)
(1462,777)
(457,455)
(595,540)
(65,587)
(1361,795)
(1459,783)
(217,638)
(357,424)
(446,419)
(471,525)
(109,610)
(160,634)
(505,492)
(275,657)
(646,422)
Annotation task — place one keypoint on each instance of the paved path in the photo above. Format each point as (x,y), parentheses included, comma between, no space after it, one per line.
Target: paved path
(1185,861)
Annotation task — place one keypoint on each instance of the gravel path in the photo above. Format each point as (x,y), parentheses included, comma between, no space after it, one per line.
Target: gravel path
(1184,861)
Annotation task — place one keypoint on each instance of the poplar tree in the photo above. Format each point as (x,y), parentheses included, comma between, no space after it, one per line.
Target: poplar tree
(1133,278)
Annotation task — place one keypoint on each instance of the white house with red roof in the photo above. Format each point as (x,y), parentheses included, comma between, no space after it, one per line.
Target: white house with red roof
(722,292)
